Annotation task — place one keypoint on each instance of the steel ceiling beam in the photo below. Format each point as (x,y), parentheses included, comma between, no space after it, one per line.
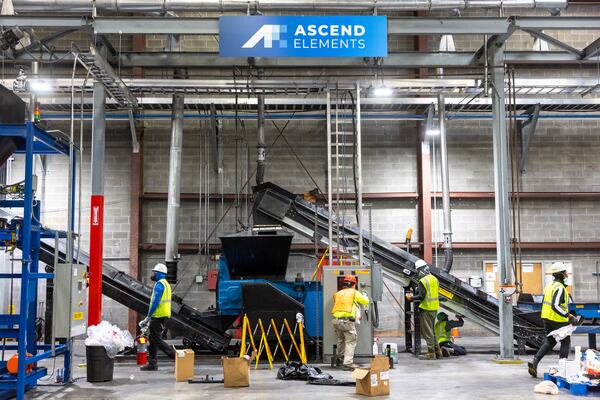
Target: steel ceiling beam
(209,25)
(554,41)
(557,23)
(592,49)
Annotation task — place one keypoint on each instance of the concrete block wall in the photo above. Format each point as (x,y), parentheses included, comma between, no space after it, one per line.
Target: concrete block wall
(563,157)
(388,165)
(53,192)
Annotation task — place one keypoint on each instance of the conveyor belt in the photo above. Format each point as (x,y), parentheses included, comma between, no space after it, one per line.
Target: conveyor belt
(136,296)
(274,204)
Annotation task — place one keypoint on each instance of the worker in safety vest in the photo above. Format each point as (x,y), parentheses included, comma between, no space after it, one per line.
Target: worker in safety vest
(345,303)
(555,315)
(158,313)
(428,294)
(443,332)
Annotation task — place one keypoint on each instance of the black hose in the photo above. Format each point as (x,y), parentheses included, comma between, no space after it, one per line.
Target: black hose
(448,259)
(375,315)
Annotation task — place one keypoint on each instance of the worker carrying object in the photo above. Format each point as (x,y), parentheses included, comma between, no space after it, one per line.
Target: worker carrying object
(345,303)
(158,313)
(428,294)
(443,332)
(555,315)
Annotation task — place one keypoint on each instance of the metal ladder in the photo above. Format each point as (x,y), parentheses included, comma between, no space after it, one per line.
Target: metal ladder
(344,172)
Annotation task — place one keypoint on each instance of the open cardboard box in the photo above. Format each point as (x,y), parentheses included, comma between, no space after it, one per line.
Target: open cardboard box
(373,381)
(236,371)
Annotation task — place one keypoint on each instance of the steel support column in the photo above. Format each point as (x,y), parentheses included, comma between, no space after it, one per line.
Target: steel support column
(503,249)
(97,206)
(136,180)
(135,217)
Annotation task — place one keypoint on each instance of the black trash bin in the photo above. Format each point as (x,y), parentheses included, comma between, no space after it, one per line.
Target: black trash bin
(99,365)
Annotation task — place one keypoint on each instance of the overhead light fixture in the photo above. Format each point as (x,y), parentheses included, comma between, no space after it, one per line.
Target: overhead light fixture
(39,86)
(382,91)
(433,131)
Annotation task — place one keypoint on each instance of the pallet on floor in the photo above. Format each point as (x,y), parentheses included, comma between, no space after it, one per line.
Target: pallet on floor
(576,389)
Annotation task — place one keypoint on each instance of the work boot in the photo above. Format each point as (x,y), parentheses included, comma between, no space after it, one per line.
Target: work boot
(438,353)
(149,367)
(429,356)
(445,352)
(532,367)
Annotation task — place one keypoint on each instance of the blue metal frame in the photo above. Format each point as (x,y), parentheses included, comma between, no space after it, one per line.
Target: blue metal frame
(30,140)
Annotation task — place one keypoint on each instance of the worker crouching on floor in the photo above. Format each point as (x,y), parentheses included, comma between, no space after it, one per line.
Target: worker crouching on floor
(443,332)
(345,303)
(158,313)
(555,315)
(428,294)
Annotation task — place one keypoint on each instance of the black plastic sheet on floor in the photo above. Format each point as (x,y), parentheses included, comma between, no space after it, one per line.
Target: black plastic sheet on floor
(295,371)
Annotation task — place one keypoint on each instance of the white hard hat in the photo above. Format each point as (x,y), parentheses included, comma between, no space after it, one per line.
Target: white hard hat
(160,268)
(420,264)
(557,267)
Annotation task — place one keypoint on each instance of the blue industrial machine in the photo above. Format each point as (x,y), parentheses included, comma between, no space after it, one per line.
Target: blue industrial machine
(26,233)
(252,281)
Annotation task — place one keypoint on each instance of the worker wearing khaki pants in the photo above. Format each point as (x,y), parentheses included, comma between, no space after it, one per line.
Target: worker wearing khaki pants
(345,302)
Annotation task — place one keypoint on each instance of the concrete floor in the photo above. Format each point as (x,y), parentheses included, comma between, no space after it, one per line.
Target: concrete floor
(470,377)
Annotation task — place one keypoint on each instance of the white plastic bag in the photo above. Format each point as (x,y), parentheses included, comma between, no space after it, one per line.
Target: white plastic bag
(113,339)
(546,387)
(561,333)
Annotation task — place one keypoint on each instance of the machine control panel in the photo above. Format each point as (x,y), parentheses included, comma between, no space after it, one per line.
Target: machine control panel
(70,300)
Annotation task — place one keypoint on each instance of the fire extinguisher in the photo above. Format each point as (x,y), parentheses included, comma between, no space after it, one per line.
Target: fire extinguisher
(141,346)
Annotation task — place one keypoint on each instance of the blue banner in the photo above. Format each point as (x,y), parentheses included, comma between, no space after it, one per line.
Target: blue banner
(306,36)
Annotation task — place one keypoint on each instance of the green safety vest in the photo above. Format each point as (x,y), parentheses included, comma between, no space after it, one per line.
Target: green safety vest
(164,306)
(441,333)
(547,310)
(431,302)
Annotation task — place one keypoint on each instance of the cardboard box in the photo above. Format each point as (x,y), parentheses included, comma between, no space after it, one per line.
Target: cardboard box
(184,365)
(373,381)
(236,371)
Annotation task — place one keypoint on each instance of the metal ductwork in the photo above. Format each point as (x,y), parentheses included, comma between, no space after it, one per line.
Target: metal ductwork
(448,255)
(260,141)
(172,240)
(163,6)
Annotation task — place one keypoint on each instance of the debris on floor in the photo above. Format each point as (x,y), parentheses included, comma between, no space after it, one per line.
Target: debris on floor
(292,370)
(546,387)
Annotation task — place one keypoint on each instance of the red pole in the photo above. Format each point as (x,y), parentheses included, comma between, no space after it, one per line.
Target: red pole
(96,243)
(97,206)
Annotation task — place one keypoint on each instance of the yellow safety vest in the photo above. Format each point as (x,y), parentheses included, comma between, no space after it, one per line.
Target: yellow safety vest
(164,306)
(345,301)
(343,304)
(431,302)
(440,332)
(547,310)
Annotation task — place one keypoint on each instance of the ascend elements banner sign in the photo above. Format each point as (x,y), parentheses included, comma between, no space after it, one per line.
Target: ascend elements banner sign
(291,36)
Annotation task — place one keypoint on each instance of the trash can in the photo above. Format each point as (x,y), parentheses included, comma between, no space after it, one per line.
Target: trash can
(99,365)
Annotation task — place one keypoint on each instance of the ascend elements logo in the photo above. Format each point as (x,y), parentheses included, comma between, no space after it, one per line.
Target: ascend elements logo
(335,36)
(269,34)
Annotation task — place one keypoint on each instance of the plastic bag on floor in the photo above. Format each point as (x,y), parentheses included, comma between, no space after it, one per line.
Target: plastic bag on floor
(546,387)
(292,370)
(113,339)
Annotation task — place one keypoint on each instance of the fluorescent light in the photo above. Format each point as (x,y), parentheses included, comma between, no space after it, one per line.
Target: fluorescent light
(382,91)
(434,131)
(39,86)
